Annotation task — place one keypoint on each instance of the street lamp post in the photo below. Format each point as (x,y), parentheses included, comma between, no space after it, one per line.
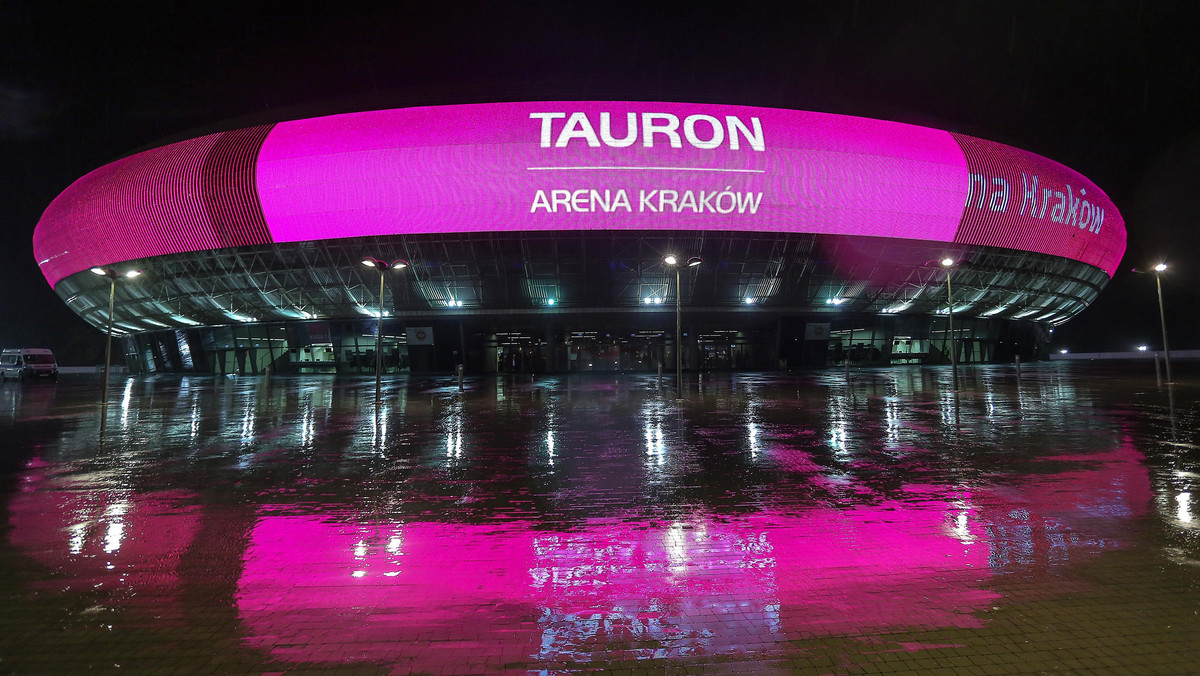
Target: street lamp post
(673,261)
(948,264)
(381,267)
(112,276)
(1162,315)
(1162,318)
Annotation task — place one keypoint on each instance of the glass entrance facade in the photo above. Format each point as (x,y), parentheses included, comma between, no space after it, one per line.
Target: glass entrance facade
(581,345)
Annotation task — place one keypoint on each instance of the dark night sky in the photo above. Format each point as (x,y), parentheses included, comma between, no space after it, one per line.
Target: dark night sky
(1111,89)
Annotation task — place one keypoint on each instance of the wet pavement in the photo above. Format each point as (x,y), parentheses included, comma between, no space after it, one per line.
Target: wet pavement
(761,524)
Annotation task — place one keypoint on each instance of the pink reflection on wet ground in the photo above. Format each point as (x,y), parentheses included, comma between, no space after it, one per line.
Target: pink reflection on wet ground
(320,590)
(702,585)
(121,545)
(594,528)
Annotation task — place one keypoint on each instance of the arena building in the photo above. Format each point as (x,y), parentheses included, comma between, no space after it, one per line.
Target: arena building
(532,237)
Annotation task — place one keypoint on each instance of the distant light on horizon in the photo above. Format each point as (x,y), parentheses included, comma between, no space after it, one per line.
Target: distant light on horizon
(1063,351)
(1143,348)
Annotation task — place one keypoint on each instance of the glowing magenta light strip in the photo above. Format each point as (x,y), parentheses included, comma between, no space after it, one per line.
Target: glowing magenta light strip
(817,173)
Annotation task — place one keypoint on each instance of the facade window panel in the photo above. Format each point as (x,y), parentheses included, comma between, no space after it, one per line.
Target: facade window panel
(185,351)
(222,337)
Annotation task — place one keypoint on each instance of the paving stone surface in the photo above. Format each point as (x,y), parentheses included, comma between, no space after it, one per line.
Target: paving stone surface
(760,523)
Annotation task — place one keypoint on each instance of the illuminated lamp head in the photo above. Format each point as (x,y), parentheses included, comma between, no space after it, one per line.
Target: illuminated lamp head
(947,262)
(382,265)
(1161,267)
(670,259)
(112,274)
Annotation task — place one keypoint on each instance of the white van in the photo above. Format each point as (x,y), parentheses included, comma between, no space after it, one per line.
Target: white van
(28,362)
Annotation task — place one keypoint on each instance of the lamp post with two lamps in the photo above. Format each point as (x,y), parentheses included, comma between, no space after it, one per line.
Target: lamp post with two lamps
(673,261)
(112,276)
(381,267)
(1162,315)
(948,264)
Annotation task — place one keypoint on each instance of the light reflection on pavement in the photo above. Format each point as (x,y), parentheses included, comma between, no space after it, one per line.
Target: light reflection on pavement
(780,522)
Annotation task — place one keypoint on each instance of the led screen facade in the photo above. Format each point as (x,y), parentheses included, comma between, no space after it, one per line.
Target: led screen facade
(570,166)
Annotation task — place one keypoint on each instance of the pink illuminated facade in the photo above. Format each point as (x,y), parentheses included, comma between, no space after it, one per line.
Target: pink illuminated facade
(569,207)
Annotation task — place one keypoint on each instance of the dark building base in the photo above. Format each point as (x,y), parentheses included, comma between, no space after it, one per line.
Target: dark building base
(568,342)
